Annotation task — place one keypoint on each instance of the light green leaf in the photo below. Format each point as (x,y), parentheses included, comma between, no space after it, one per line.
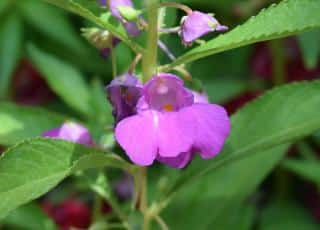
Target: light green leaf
(33,167)
(287,18)
(19,123)
(29,217)
(94,13)
(53,23)
(10,47)
(310,46)
(64,79)
(286,215)
(307,169)
(281,116)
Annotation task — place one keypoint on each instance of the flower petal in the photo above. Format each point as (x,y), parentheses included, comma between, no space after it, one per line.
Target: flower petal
(174,136)
(179,162)
(137,136)
(211,127)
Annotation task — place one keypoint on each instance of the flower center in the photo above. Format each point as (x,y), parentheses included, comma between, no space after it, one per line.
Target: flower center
(168,107)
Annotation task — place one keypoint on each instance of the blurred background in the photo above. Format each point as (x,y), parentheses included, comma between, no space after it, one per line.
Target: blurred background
(45,62)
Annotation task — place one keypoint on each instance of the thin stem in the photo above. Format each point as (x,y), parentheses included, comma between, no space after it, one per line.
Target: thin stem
(113,61)
(134,63)
(166,50)
(143,205)
(170,30)
(161,223)
(185,8)
(149,63)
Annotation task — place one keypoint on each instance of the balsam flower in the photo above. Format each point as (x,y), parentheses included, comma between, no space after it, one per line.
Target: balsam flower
(123,94)
(170,127)
(71,131)
(198,24)
(131,27)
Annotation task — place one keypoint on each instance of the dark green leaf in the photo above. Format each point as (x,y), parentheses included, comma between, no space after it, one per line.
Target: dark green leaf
(64,79)
(310,45)
(10,47)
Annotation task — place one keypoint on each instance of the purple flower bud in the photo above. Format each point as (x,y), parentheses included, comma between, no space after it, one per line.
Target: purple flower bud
(198,24)
(174,126)
(105,52)
(123,94)
(72,132)
(131,27)
(124,188)
(102,2)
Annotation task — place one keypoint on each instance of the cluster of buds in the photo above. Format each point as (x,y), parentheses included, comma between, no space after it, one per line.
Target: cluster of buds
(192,27)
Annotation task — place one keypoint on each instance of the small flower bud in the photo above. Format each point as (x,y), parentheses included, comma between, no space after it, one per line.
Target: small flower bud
(198,24)
(129,13)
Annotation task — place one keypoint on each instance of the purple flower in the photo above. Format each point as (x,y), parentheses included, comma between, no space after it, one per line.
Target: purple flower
(198,24)
(105,52)
(123,94)
(170,127)
(131,27)
(72,132)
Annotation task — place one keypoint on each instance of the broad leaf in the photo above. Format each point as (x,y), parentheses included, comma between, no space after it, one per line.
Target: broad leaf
(287,18)
(93,12)
(10,46)
(19,122)
(64,79)
(282,115)
(31,168)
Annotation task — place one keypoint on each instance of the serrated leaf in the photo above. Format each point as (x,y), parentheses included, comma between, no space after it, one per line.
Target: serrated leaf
(20,122)
(33,167)
(64,79)
(287,18)
(10,46)
(281,116)
(94,13)
(309,170)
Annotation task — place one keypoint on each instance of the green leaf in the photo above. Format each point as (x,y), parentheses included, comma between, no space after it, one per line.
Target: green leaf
(64,79)
(94,13)
(10,47)
(281,116)
(53,23)
(286,215)
(287,18)
(29,217)
(19,122)
(33,167)
(306,169)
(222,193)
(310,46)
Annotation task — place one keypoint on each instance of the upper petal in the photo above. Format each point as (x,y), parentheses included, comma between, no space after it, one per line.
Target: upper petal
(211,127)
(137,136)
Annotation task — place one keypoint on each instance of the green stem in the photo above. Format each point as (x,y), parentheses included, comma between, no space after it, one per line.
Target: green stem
(278,61)
(113,61)
(185,8)
(149,63)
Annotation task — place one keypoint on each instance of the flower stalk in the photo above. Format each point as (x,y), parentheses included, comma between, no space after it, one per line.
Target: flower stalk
(149,63)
